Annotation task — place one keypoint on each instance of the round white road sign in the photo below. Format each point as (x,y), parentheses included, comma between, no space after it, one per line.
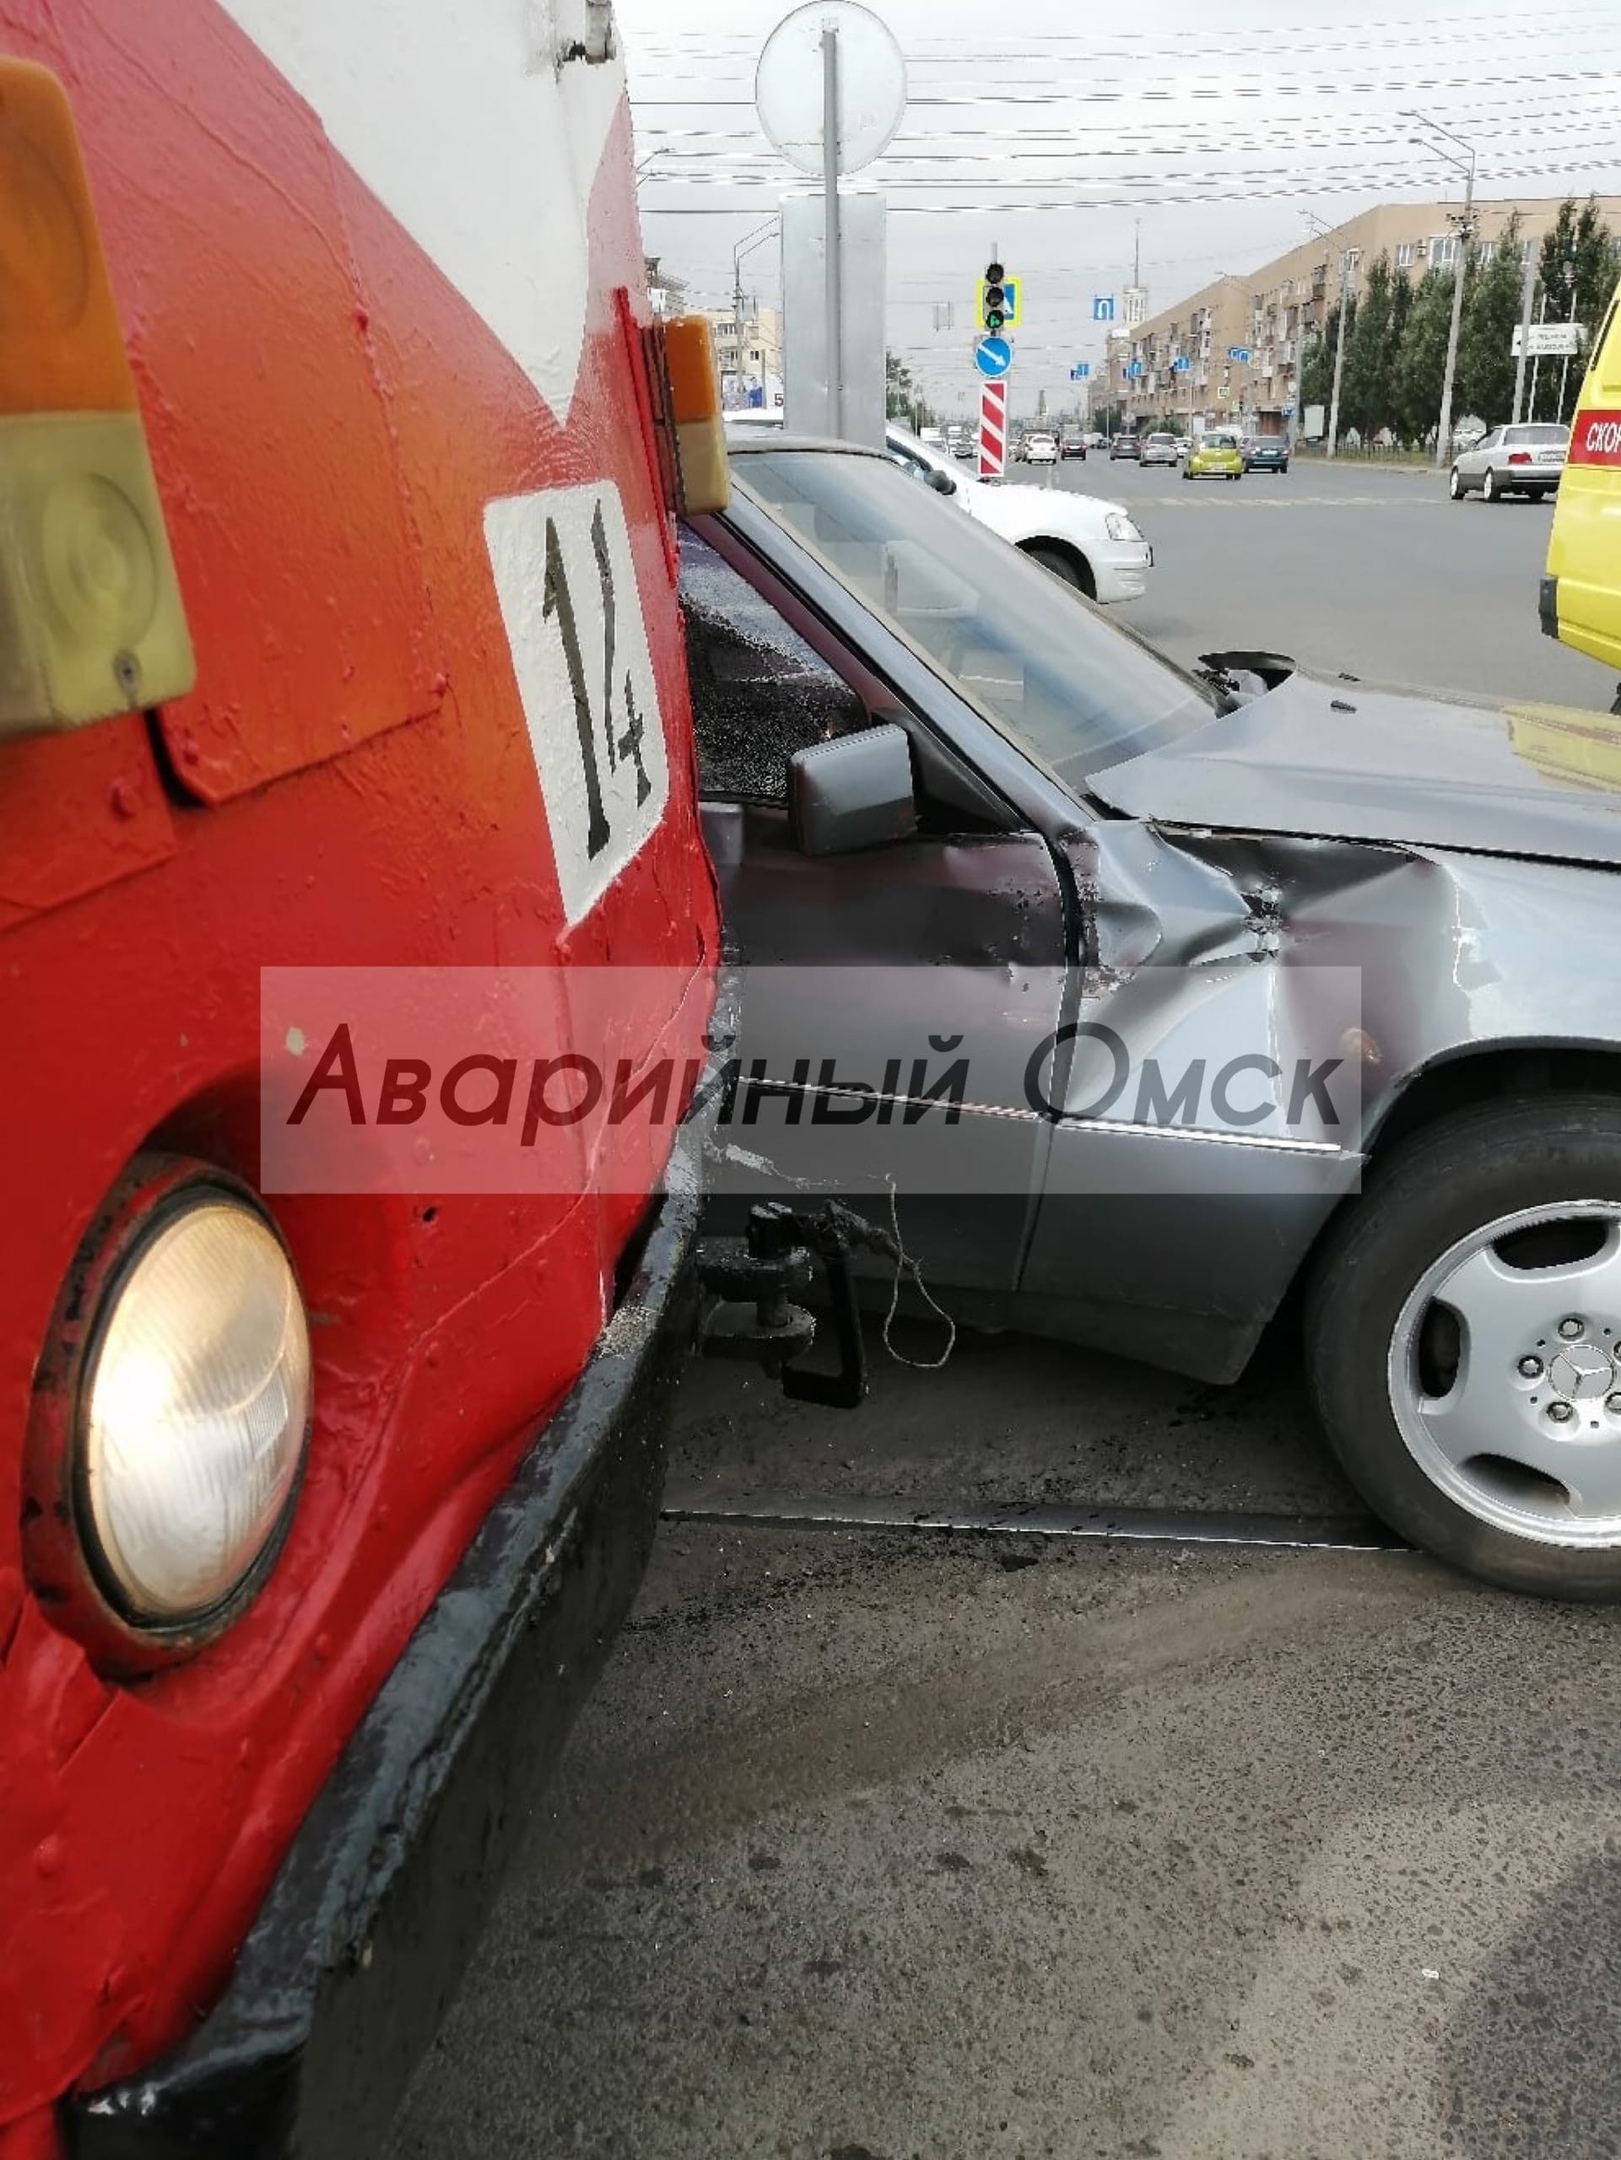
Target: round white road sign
(872,85)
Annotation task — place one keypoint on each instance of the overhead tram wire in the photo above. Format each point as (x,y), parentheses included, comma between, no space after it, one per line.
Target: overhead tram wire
(1140,136)
(1015,93)
(1453,31)
(1001,207)
(1433,25)
(1331,179)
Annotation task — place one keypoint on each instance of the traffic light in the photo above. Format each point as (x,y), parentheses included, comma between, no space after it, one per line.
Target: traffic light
(994,300)
(998,300)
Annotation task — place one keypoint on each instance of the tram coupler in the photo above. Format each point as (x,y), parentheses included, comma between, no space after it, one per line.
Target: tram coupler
(753,1278)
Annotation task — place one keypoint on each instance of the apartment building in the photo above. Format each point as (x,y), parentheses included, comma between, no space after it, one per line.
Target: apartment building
(1273,313)
(750,369)
(1177,362)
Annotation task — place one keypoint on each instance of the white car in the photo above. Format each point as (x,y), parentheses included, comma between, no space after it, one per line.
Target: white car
(1162,450)
(1524,460)
(1041,450)
(1091,544)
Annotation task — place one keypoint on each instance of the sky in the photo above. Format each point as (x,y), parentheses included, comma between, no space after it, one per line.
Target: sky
(1201,132)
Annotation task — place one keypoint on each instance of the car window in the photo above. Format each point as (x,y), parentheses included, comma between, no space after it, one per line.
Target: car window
(1493,441)
(1072,688)
(1546,434)
(759,693)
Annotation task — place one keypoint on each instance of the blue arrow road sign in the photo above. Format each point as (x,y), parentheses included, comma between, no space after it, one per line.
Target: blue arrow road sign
(1080,371)
(1240,353)
(1103,307)
(993,356)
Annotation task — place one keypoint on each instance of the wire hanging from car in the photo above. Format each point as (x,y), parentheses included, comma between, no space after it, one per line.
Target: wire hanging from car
(905,1264)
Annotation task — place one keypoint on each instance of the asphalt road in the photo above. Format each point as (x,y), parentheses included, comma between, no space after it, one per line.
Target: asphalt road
(1364,569)
(880,1844)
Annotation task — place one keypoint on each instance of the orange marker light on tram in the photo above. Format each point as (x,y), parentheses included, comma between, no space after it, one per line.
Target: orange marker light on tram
(700,432)
(91,620)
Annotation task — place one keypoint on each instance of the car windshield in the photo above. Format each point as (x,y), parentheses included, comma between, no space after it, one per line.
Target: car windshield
(1538,434)
(1215,439)
(1076,691)
(1168,440)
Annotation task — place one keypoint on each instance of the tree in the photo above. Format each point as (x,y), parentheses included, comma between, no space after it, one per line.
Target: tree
(1577,273)
(1372,339)
(1421,359)
(1493,298)
(902,398)
(1317,370)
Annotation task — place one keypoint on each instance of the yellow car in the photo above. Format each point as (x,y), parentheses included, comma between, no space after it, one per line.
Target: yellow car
(1581,593)
(1216,452)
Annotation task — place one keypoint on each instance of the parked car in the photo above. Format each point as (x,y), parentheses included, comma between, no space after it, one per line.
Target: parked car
(1041,449)
(1457,1240)
(1162,449)
(1092,545)
(1216,455)
(1266,453)
(1524,460)
(1126,446)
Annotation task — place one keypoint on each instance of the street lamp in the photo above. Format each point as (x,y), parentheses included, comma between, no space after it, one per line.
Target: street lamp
(1322,231)
(1466,233)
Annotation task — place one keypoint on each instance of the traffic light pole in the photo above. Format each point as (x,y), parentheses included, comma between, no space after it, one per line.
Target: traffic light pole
(830,195)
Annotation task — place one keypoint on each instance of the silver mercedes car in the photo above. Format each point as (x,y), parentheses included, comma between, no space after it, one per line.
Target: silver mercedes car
(1239,999)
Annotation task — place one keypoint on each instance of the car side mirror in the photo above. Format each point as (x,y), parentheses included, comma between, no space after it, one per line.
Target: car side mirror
(941,482)
(854,792)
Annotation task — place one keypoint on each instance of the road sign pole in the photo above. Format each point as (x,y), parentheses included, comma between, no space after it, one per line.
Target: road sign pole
(830,206)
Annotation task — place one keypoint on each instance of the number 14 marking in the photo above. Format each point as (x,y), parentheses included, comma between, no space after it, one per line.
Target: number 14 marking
(559,600)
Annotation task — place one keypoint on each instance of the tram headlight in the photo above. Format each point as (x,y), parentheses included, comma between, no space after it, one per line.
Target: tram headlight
(193,1411)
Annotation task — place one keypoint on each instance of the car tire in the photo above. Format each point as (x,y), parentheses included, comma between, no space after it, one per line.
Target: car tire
(1543,1168)
(1068,569)
(1455,486)
(1489,489)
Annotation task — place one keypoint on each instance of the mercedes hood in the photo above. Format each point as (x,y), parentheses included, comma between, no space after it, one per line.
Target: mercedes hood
(1337,762)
